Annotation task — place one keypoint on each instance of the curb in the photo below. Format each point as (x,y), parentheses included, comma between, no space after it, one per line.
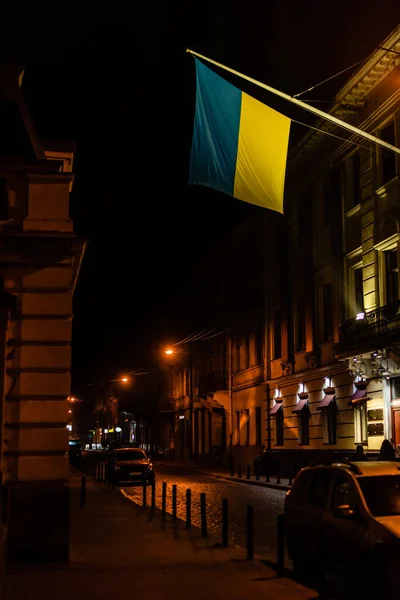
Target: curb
(274,486)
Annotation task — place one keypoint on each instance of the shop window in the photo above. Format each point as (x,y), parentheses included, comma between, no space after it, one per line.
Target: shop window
(279,428)
(329,416)
(360,423)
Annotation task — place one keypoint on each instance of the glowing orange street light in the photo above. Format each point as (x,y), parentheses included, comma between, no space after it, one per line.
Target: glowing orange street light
(70,411)
(169,351)
(124,379)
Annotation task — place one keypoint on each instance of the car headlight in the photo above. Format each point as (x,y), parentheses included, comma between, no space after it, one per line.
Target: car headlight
(150,467)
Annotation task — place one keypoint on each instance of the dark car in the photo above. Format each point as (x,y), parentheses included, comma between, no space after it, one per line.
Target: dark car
(130,465)
(343,520)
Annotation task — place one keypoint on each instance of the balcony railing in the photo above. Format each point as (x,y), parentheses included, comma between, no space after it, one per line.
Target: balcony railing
(375,329)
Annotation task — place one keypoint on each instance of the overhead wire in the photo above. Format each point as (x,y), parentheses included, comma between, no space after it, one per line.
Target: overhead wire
(331,77)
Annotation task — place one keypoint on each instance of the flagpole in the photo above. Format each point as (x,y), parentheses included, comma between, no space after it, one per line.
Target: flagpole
(312,109)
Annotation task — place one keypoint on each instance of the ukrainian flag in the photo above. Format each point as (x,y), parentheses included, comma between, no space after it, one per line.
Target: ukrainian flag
(239,145)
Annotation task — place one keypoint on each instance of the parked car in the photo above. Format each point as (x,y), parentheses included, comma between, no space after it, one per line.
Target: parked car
(130,465)
(344,520)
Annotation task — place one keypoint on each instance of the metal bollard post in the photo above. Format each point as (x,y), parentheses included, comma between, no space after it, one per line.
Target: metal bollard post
(188,508)
(280,547)
(250,533)
(153,495)
(257,471)
(174,493)
(267,479)
(203,511)
(290,476)
(83,491)
(144,498)
(164,499)
(278,477)
(225,522)
(248,472)
(240,471)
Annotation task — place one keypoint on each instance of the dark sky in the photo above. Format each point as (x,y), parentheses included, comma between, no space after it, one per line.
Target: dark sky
(120,84)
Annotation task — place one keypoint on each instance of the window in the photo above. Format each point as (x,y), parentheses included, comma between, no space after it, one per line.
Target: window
(327,309)
(238,427)
(259,345)
(247,415)
(358,290)
(387,158)
(258,425)
(395,387)
(279,427)
(360,423)
(301,326)
(329,416)
(304,426)
(277,334)
(391,276)
(319,489)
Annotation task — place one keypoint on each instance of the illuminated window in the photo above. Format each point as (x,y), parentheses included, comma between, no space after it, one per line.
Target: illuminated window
(358,290)
(360,423)
(329,415)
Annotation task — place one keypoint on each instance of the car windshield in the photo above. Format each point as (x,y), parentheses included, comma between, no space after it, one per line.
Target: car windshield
(134,454)
(382,494)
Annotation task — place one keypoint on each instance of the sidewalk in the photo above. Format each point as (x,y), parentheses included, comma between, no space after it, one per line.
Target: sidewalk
(123,552)
(223,473)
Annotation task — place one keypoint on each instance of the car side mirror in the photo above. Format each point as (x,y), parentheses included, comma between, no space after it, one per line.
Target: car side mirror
(344,512)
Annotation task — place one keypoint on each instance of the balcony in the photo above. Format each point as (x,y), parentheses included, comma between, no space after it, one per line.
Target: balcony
(213,382)
(376,329)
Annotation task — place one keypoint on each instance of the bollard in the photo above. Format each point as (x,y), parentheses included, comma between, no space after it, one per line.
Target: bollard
(174,493)
(250,533)
(267,479)
(153,495)
(248,472)
(164,499)
(278,477)
(225,522)
(257,471)
(232,469)
(203,512)
(144,498)
(240,471)
(290,476)
(280,546)
(83,491)
(188,509)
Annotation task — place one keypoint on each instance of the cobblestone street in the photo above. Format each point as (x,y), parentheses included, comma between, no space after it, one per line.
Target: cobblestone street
(267,504)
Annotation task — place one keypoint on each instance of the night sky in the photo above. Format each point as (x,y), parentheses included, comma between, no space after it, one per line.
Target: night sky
(120,85)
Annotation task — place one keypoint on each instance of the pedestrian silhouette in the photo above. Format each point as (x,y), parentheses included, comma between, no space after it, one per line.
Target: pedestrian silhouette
(387,451)
(359,455)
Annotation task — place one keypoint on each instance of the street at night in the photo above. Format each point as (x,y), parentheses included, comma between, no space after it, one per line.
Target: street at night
(267,503)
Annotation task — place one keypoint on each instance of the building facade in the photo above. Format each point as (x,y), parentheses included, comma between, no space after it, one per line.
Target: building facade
(39,263)
(312,357)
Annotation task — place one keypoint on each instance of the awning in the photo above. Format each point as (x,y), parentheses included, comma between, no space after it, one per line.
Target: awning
(301,405)
(210,403)
(275,408)
(359,396)
(326,401)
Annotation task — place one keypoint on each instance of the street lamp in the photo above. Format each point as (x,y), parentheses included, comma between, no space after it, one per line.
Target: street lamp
(169,351)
